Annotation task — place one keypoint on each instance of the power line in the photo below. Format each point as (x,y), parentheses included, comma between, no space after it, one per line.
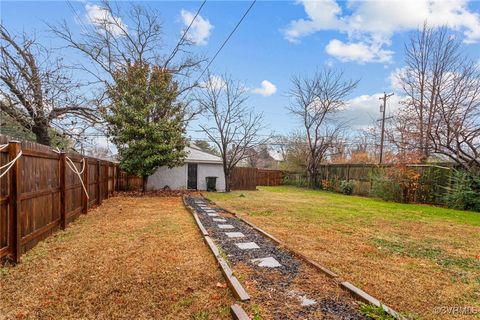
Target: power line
(185,32)
(226,40)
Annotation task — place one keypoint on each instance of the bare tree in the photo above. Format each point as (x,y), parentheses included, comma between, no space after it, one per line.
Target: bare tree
(442,107)
(235,128)
(37,90)
(456,128)
(315,101)
(294,151)
(119,38)
(430,55)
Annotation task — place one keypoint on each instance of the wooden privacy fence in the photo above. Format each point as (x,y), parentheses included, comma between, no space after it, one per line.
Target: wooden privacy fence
(41,193)
(249,178)
(243,178)
(269,177)
(434,178)
(129,183)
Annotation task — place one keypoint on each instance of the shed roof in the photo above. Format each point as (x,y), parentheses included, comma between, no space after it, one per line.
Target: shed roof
(196,155)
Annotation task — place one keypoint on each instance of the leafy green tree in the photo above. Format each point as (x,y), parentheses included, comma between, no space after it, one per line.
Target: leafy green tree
(146,120)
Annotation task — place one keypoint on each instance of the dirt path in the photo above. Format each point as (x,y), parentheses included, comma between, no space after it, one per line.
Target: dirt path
(281,286)
(131,258)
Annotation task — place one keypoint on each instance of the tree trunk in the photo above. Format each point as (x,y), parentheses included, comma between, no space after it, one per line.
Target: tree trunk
(145,181)
(40,130)
(227,180)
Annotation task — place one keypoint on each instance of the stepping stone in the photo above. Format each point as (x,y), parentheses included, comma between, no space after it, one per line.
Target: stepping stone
(212,214)
(269,262)
(210,211)
(305,302)
(226,226)
(219,220)
(234,234)
(247,245)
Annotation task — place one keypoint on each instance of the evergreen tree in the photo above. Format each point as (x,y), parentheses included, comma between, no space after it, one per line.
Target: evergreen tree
(146,120)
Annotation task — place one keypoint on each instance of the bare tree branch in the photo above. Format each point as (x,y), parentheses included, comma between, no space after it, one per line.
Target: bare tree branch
(235,128)
(315,101)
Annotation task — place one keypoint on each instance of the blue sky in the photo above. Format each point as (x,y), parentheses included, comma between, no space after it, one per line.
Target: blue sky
(279,39)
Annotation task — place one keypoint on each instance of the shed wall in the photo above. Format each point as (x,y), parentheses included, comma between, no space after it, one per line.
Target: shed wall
(176,178)
(210,170)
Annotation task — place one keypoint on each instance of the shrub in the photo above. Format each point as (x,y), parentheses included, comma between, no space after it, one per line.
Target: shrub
(346,187)
(464,193)
(384,188)
(295,179)
(398,183)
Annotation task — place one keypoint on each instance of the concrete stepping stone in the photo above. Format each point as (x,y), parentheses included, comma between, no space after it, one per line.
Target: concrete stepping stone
(226,226)
(234,234)
(247,245)
(268,262)
(212,214)
(306,302)
(210,211)
(219,220)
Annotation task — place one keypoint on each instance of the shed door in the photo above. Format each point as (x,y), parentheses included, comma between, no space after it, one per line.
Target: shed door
(192,176)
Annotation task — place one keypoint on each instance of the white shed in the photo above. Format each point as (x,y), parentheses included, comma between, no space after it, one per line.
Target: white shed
(192,174)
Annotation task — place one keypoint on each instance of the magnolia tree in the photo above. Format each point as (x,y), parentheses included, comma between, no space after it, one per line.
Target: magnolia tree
(142,88)
(146,120)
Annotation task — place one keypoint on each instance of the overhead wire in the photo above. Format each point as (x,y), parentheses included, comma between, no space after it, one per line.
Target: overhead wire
(226,40)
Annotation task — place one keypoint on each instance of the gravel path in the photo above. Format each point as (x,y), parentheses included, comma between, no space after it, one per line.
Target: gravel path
(282,285)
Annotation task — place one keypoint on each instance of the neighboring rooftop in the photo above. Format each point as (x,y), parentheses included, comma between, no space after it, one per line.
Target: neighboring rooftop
(195,154)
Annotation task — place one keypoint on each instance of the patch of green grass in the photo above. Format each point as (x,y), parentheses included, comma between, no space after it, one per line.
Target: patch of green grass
(436,255)
(4,271)
(312,202)
(224,311)
(262,213)
(257,313)
(201,315)
(185,302)
(374,312)
(38,252)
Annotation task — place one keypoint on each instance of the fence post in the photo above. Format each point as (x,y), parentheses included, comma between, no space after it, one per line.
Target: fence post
(108,179)
(348,172)
(86,183)
(14,200)
(119,177)
(63,190)
(99,201)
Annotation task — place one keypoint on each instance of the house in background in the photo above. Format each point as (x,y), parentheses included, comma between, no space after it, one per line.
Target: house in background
(192,174)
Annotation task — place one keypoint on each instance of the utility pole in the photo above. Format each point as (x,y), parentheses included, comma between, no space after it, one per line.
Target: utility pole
(383,110)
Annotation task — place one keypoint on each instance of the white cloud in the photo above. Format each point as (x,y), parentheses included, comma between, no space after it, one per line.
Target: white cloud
(215,82)
(374,22)
(395,79)
(365,109)
(266,88)
(100,17)
(360,52)
(200,29)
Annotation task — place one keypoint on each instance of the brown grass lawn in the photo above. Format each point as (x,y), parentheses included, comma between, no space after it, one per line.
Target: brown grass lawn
(412,257)
(131,258)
